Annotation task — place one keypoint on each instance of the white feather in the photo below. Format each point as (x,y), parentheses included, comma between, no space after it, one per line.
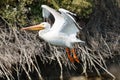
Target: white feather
(63,31)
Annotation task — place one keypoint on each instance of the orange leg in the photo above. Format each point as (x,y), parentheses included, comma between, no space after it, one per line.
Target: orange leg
(68,54)
(75,56)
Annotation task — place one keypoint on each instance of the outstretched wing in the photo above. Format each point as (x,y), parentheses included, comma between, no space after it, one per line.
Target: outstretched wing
(70,26)
(53,15)
(63,22)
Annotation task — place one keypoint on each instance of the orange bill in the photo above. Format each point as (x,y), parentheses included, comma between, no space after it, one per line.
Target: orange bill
(34,28)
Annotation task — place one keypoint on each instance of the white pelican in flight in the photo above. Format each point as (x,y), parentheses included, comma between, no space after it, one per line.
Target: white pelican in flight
(62,32)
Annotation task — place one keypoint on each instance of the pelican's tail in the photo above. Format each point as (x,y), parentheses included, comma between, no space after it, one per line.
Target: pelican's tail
(75,40)
(78,40)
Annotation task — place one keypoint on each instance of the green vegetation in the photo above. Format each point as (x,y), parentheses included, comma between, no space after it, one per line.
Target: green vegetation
(81,7)
(14,11)
(25,12)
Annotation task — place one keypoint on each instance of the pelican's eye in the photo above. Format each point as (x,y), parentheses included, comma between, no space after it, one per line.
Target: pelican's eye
(43,25)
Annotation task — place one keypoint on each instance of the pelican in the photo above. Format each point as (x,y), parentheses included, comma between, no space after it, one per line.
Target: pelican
(62,32)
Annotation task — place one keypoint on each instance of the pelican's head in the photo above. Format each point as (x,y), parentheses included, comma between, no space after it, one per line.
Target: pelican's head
(42,26)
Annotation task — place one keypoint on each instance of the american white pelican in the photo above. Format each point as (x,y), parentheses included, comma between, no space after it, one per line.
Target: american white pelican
(62,32)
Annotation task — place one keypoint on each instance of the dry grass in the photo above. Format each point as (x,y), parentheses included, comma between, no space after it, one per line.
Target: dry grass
(21,48)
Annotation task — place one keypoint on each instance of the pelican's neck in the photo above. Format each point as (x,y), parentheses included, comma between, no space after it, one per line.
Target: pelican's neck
(43,32)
